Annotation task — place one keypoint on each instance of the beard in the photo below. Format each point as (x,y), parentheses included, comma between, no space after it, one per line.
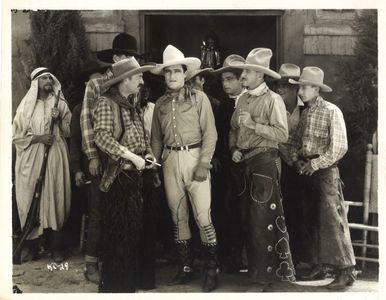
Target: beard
(48,88)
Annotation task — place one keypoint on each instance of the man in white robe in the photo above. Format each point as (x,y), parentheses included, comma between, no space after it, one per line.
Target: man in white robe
(30,134)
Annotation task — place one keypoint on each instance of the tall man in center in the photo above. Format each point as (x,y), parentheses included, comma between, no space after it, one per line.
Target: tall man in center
(184,132)
(258,124)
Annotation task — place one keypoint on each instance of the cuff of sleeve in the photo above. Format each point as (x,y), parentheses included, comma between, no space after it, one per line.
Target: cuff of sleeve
(205,165)
(92,155)
(258,128)
(314,164)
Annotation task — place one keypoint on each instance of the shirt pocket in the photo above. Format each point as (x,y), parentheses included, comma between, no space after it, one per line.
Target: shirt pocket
(322,136)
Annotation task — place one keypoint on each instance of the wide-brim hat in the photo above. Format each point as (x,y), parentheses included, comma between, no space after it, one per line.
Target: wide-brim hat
(312,76)
(258,60)
(190,74)
(172,56)
(123,43)
(228,63)
(125,68)
(287,71)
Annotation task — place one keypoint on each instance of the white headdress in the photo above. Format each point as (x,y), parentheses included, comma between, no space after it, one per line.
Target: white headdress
(27,105)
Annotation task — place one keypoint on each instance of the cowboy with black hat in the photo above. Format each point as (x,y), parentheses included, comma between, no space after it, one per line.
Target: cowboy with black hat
(258,125)
(124,46)
(319,142)
(121,136)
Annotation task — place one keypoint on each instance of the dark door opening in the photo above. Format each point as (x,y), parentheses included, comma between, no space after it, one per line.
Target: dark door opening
(237,34)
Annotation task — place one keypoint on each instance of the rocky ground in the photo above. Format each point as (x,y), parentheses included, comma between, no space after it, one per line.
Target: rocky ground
(43,276)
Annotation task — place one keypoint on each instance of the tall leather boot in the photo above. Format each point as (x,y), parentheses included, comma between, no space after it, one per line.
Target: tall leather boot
(211,268)
(185,272)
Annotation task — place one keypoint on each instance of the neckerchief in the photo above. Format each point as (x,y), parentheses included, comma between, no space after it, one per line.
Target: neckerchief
(128,103)
(185,93)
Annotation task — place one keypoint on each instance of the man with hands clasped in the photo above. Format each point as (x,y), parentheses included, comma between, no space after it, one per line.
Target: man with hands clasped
(318,144)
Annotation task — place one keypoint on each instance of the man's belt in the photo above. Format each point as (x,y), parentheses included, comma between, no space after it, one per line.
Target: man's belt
(181,148)
(249,153)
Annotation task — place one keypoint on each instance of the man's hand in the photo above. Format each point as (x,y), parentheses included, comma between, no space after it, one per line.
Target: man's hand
(156,180)
(46,139)
(138,161)
(55,113)
(80,178)
(307,169)
(150,157)
(246,120)
(237,156)
(201,172)
(298,165)
(95,167)
(216,164)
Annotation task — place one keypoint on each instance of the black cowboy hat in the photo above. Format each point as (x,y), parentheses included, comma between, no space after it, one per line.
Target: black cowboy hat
(123,43)
(90,67)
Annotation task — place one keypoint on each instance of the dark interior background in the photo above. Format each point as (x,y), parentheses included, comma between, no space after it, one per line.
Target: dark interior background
(236,35)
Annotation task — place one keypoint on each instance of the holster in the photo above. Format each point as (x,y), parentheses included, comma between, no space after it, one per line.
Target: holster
(111,172)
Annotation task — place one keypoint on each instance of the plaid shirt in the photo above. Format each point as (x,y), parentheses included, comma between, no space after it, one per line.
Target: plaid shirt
(134,138)
(91,96)
(322,131)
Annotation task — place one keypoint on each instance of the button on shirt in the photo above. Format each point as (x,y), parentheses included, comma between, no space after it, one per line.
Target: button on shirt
(322,131)
(267,109)
(179,121)
(292,121)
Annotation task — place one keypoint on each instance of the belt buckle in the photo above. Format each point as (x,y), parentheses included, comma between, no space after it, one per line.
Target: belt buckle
(186,147)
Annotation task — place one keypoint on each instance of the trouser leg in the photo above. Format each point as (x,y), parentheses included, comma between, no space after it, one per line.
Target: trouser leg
(94,219)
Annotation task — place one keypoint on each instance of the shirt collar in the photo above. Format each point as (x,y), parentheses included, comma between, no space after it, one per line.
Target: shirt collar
(318,102)
(260,90)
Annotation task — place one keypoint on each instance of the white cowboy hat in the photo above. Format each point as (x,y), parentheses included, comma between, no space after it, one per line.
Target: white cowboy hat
(312,76)
(258,60)
(172,56)
(125,68)
(228,64)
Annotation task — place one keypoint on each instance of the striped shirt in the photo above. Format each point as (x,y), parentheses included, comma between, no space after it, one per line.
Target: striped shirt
(321,131)
(134,138)
(91,96)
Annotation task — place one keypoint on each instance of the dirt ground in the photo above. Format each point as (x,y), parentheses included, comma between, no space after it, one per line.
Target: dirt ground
(43,276)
